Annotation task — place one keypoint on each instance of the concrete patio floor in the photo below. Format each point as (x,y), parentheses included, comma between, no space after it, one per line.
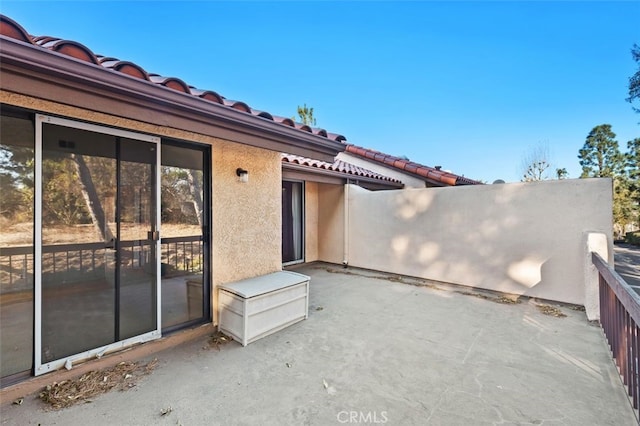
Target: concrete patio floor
(378,351)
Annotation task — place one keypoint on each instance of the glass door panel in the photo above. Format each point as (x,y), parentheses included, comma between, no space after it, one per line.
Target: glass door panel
(98,279)
(78,256)
(184,244)
(292,222)
(137,248)
(16,244)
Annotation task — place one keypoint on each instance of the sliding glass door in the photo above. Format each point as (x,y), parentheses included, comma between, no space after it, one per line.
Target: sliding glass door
(97,240)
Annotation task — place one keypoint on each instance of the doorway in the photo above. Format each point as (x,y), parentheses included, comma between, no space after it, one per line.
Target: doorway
(292,222)
(97,240)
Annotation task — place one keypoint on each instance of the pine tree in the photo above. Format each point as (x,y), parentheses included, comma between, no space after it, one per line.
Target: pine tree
(600,156)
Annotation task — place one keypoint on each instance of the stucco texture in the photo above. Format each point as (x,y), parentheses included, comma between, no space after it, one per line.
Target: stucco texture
(330,223)
(247,221)
(311,222)
(521,238)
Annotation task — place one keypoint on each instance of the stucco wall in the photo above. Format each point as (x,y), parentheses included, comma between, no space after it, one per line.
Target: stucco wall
(246,239)
(311,222)
(247,220)
(330,223)
(522,238)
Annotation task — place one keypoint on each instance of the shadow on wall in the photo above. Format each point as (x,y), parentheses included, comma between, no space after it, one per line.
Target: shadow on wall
(521,238)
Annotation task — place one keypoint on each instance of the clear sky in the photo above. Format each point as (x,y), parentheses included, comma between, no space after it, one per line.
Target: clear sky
(469,86)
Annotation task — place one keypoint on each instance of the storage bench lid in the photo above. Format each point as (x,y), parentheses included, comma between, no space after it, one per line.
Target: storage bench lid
(252,287)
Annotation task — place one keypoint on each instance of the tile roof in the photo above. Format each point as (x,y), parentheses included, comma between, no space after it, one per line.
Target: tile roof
(12,29)
(431,174)
(338,166)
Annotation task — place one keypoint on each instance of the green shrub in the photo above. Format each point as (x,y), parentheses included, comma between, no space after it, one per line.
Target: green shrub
(633,238)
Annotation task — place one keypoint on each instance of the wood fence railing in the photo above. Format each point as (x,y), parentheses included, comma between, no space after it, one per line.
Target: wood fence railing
(619,318)
(73,262)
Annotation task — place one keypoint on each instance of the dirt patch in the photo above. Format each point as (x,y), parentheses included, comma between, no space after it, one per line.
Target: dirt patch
(218,339)
(70,392)
(551,311)
(505,300)
(391,278)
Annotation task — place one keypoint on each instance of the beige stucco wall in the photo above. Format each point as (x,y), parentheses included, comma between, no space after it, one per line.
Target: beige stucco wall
(247,222)
(330,223)
(246,234)
(310,221)
(522,238)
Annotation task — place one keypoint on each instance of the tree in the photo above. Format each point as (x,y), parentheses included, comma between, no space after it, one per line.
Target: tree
(600,156)
(562,173)
(306,115)
(634,80)
(535,164)
(633,160)
(633,173)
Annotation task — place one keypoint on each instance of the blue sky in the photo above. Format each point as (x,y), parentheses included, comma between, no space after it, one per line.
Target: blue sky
(469,86)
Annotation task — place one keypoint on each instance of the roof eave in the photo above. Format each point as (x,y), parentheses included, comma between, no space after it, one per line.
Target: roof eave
(310,170)
(32,71)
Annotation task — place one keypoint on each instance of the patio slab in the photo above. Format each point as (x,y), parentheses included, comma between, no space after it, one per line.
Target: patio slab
(375,351)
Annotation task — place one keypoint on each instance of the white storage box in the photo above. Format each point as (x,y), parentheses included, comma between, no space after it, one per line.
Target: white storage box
(256,307)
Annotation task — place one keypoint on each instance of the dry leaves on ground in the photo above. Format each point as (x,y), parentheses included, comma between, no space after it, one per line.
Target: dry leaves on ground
(497,299)
(69,392)
(551,311)
(219,338)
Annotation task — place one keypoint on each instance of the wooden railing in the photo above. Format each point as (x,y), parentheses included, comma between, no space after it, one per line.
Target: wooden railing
(619,318)
(76,262)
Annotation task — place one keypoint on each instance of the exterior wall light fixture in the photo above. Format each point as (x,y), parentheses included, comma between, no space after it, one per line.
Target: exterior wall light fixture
(243,175)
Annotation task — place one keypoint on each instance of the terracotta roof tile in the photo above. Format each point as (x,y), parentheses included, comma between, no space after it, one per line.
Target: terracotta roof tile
(303,127)
(170,82)
(338,166)
(430,173)
(263,114)
(69,48)
(336,137)
(284,120)
(12,29)
(207,94)
(125,67)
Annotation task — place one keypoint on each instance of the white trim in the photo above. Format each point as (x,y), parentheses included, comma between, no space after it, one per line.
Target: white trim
(157,242)
(293,262)
(96,353)
(38,367)
(37,244)
(98,129)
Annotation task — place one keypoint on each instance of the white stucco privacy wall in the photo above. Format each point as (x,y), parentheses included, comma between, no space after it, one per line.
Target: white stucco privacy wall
(522,238)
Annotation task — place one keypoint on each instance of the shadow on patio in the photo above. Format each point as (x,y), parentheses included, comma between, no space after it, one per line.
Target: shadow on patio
(375,350)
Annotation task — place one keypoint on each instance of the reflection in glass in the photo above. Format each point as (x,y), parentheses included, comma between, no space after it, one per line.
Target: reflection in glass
(78,255)
(183,257)
(138,299)
(16,245)
(99,260)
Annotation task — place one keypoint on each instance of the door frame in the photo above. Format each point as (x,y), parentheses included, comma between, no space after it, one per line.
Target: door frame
(302,223)
(38,367)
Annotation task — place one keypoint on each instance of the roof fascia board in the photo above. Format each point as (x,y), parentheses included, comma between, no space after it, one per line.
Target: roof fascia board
(37,72)
(309,177)
(406,172)
(315,171)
